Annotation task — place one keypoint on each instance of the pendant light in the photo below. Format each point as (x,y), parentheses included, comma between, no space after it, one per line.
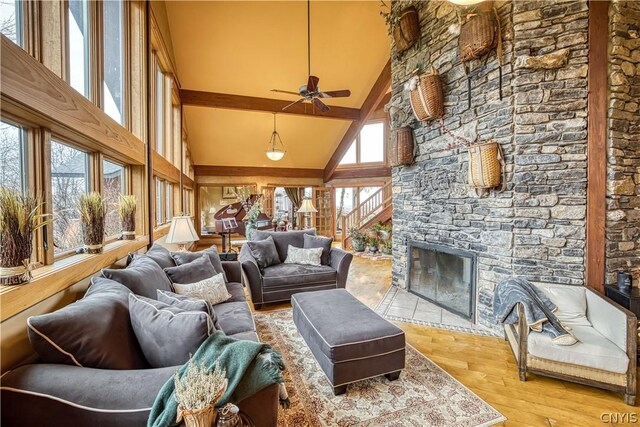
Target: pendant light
(276,147)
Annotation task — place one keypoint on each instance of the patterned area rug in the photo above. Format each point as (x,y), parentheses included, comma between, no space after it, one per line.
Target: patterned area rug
(425,395)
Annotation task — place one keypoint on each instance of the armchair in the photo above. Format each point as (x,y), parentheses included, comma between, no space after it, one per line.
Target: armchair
(605,355)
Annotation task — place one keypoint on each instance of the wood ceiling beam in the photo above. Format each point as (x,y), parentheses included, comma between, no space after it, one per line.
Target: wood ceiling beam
(252,103)
(370,105)
(206,170)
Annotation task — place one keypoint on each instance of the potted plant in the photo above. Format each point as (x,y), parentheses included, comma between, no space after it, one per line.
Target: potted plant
(387,247)
(197,393)
(93,211)
(373,244)
(19,218)
(358,239)
(252,217)
(127,212)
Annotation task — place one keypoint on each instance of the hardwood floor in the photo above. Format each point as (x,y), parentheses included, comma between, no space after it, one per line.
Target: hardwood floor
(486,366)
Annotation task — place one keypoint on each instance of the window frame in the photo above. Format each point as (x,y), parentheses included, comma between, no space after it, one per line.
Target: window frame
(126,62)
(126,187)
(358,144)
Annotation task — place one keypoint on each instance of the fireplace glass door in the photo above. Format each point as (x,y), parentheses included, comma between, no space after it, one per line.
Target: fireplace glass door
(445,278)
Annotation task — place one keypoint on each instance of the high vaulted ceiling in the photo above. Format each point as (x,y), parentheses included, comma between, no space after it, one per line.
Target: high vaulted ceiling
(247,48)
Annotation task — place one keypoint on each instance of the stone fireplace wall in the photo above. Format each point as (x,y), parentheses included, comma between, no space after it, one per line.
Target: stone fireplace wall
(536,227)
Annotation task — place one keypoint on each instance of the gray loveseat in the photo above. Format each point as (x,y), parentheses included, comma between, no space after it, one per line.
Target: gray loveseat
(48,394)
(278,282)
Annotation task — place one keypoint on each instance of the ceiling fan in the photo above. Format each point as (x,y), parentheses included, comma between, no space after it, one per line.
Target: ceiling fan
(311,92)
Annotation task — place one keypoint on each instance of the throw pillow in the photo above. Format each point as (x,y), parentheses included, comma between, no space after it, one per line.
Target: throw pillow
(161,256)
(192,272)
(188,303)
(571,302)
(213,290)
(143,276)
(283,239)
(311,256)
(265,252)
(187,257)
(320,242)
(167,335)
(93,332)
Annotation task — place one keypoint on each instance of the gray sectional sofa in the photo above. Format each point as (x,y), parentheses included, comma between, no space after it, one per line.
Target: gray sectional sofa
(278,282)
(56,394)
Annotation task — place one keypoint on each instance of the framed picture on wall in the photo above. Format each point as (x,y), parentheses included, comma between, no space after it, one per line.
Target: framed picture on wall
(228,192)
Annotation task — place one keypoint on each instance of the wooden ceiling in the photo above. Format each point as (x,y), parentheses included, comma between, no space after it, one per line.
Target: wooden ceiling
(247,48)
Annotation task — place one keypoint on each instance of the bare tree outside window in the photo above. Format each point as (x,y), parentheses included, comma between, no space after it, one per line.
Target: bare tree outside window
(113,186)
(11,20)
(13,147)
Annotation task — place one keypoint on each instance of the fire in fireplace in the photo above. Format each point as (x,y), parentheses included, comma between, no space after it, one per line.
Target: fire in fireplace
(444,276)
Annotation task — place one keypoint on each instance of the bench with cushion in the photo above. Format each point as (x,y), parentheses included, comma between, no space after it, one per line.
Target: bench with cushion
(348,339)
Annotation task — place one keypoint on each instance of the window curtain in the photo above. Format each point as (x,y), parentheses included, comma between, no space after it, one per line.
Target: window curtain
(293,194)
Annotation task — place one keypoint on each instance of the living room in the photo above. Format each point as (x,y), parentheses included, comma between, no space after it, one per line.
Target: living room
(319,213)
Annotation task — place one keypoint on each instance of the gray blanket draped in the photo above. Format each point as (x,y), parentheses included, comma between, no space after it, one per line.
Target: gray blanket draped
(538,309)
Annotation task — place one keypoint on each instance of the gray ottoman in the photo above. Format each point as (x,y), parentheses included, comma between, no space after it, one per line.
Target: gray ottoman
(349,341)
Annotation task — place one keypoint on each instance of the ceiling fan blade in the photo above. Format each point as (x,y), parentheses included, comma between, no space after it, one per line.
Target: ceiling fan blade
(293,103)
(336,94)
(285,91)
(320,105)
(312,84)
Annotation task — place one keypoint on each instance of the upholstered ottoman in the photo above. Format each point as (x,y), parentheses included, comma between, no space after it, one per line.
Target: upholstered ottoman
(349,341)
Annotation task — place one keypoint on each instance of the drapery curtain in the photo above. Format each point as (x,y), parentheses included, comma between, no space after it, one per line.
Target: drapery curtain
(293,193)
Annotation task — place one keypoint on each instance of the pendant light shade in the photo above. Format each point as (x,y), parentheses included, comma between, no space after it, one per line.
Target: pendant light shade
(276,149)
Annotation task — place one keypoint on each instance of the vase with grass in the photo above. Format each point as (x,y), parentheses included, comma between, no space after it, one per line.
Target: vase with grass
(197,393)
(127,213)
(20,217)
(93,210)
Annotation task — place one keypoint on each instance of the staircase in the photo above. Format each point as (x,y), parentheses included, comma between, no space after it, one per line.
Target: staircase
(376,208)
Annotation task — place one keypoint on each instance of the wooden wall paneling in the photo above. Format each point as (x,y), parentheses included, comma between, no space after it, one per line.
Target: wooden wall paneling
(31,90)
(597,102)
(204,170)
(252,103)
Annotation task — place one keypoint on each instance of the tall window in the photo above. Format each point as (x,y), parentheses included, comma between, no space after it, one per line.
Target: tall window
(113,186)
(11,20)
(159,111)
(159,202)
(79,46)
(346,200)
(13,157)
(113,40)
(368,147)
(69,179)
(350,156)
(168,202)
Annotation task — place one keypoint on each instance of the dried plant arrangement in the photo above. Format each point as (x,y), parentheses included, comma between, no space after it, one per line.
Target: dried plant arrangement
(197,393)
(19,217)
(127,213)
(93,210)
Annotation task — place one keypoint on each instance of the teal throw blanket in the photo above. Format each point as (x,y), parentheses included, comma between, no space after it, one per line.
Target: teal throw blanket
(250,367)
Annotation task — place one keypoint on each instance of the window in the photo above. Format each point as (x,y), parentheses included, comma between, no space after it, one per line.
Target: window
(13,157)
(11,14)
(159,202)
(78,53)
(113,41)
(368,147)
(168,202)
(113,186)
(69,179)
(159,111)
(346,200)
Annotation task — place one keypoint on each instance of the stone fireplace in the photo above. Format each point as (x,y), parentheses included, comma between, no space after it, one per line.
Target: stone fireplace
(443,276)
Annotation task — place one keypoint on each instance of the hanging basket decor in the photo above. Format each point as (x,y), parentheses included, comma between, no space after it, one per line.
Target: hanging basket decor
(406,32)
(427,100)
(486,165)
(401,147)
(479,34)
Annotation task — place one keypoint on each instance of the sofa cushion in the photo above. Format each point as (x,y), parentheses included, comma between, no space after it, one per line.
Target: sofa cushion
(234,317)
(264,252)
(187,257)
(94,331)
(167,334)
(237,292)
(311,256)
(161,256)
(143,277)
(592,350)
(311,241)
(184,302)
(213,290)
(297,274)
(195,271)
(283,239)
(571,302)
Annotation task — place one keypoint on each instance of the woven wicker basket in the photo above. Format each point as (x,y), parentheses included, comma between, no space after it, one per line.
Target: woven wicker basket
(478,35)
(400,150)
(407,32)
(427,101)
(485,165)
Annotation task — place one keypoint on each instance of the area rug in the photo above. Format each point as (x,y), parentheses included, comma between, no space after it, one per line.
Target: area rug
(425,395)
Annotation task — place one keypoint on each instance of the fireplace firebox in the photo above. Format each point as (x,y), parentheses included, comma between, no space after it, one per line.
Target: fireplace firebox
(443,276)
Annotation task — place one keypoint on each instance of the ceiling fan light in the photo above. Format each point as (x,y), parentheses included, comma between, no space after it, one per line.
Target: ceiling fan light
(275,155)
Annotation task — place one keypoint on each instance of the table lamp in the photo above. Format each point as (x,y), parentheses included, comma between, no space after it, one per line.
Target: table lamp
(306,209)
(182,232)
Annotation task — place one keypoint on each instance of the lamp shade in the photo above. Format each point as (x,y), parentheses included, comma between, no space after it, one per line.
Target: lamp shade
(181,230)
(307,207)
(275,154)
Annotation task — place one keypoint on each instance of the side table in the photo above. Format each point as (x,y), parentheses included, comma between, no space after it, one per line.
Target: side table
(629,300)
